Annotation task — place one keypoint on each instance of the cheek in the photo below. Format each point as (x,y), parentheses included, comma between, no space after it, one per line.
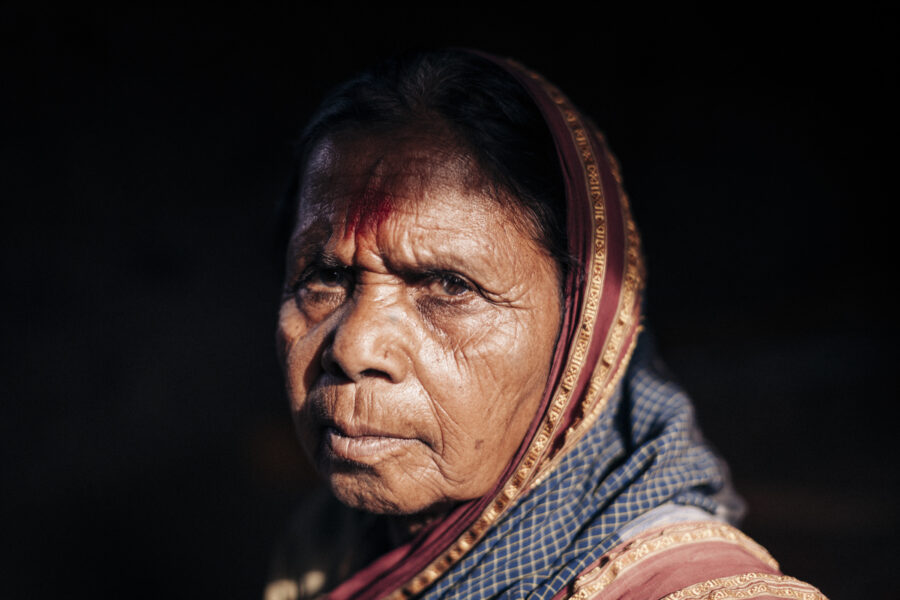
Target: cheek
(297,350)
(489,385)
(462,356)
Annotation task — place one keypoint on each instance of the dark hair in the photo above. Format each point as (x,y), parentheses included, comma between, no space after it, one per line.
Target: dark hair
(489,114)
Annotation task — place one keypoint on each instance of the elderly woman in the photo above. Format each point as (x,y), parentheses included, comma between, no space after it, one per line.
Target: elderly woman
(461,341)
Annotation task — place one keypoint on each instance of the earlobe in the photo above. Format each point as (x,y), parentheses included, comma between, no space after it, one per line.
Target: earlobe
(280,347)
(283,337)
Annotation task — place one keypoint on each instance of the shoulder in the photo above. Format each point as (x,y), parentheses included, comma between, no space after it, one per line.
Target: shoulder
(695,560)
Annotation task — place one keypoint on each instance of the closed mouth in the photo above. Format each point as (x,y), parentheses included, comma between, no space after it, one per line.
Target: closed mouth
(363,446)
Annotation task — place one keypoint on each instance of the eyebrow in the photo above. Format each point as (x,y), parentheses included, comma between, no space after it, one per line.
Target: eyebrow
(312,251)
(302,250)
(308,246)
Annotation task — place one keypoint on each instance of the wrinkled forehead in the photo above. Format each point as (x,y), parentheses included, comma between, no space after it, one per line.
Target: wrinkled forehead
(367,178)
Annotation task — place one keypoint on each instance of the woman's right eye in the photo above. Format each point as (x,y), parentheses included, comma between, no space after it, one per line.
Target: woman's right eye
(321,284)
(329,277)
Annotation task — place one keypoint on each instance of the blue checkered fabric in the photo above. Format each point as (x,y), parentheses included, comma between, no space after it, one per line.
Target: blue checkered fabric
(644,450)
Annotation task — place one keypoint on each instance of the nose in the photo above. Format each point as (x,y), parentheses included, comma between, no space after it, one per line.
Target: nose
(369,340)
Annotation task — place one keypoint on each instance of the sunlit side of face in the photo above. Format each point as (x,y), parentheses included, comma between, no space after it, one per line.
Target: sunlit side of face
(416,342)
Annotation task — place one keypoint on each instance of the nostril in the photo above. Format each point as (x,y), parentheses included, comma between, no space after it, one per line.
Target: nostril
(333,367)
(375,373)
(363,345)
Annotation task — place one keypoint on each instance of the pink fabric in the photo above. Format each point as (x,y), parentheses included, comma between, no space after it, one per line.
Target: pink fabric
(681,567)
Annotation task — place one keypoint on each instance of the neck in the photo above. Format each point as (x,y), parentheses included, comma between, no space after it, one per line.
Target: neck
(403,528)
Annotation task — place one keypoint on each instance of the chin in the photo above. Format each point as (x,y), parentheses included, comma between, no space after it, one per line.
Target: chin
(365,492)
(369,493)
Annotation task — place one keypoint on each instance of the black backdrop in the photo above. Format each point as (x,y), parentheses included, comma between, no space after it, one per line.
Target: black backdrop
(146,444)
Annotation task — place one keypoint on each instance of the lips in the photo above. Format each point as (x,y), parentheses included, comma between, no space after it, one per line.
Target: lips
(363,445)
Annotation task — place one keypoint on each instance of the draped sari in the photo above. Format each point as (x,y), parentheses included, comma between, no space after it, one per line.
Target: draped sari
(613,490)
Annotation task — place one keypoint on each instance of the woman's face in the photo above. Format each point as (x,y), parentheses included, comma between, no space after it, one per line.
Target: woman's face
(417,326)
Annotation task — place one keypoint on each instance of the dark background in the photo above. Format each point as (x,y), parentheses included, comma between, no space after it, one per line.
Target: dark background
(146,444)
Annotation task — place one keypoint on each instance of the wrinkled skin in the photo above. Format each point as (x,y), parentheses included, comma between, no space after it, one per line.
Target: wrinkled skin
(416,343)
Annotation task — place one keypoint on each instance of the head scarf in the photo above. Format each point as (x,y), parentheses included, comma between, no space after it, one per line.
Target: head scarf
(613,437)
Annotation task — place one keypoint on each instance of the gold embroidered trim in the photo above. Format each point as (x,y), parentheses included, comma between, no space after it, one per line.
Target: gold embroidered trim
(534,464)
(749,585)
(549,466)
(603,378)
(657,541)
(601,385)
